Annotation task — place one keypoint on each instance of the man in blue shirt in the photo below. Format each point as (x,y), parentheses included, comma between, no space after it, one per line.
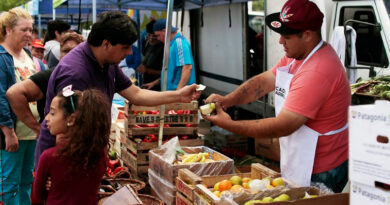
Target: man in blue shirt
(181,68)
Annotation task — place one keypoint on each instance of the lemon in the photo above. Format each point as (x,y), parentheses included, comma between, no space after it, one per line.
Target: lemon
(236,180)
(216,186)
(282,197)
(267,199)
(277,182)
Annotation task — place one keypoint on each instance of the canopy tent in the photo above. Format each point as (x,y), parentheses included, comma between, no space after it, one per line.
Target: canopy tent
(148,4)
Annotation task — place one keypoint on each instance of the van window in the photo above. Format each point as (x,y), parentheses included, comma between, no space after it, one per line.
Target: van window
(370,50)
(255,38)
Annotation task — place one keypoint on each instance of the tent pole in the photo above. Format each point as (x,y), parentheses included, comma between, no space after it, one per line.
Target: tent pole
(168,28)
(39,26)
(93,11)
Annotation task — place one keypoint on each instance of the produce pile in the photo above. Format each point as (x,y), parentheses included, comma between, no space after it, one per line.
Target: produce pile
(251,191)
(237,184)
(376,87)
(201,157)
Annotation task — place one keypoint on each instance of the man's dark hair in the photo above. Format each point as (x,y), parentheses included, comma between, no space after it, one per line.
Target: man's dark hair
(115,27)
(53,26)
(149,26)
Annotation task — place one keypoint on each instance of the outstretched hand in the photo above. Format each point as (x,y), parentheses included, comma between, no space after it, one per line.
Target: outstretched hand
(189,93)
(221,118)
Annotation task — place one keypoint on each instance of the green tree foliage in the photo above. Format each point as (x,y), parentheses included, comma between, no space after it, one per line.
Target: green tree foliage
(5,5)
(258,5)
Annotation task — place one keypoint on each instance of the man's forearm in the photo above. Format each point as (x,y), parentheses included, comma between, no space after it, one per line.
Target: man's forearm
(19,96)
(145,97)
(185,75)
(251,90)
(21,108)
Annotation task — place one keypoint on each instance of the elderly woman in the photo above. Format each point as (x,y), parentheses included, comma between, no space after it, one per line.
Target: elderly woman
(17,140)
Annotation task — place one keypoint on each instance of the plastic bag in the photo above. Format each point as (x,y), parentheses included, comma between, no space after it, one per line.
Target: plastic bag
(171,147)
(165,190)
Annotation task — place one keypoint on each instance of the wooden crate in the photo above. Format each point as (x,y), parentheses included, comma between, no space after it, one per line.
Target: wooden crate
(182,200)
(187,180)
(180,124)
(138,171)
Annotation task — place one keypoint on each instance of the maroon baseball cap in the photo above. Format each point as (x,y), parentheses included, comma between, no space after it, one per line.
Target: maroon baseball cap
(296,16)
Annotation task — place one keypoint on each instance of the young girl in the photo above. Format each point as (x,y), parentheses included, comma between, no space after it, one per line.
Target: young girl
(81,122)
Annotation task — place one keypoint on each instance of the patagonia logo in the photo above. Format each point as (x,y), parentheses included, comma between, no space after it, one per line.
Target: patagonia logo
(280,91)
(372,196)
(369,117)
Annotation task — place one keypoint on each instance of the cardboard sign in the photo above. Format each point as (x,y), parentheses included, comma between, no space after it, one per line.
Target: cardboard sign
(369,148)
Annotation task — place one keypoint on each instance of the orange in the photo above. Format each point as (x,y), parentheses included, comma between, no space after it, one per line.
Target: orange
(225,185)
(246,180)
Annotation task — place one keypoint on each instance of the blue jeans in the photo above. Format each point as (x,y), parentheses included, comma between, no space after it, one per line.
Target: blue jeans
(335,179)
(16,171)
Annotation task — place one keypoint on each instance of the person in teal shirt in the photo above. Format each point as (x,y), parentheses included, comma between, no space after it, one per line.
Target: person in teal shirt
(181,68)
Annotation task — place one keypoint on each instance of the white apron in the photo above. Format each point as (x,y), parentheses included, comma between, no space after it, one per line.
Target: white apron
(298,149)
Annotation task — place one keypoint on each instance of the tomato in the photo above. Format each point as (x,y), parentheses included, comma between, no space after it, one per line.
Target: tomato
(118,169)
(112,164)
(184,137)
(150,138)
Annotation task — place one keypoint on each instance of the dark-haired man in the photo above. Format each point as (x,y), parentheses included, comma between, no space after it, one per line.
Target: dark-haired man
(312,96)
(94,64)
(55,31)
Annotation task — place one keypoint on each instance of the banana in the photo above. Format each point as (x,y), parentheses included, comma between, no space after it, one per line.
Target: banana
(197,158)
(203,159)
(206,154)
(190,158)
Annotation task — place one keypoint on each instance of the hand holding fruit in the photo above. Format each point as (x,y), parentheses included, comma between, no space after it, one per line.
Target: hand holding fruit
(220,118)
(217,98)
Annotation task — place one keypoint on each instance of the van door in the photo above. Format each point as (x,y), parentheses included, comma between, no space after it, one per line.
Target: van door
(372,49)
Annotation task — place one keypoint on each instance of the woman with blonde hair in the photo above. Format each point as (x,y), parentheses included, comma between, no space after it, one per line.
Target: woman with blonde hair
(17,140)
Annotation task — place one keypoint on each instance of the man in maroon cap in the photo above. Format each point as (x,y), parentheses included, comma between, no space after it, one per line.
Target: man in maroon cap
(312,96)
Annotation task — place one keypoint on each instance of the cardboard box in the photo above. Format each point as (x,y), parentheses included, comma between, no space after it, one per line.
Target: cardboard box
(168,171)
(268,148)
(136,154)
(369,148)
